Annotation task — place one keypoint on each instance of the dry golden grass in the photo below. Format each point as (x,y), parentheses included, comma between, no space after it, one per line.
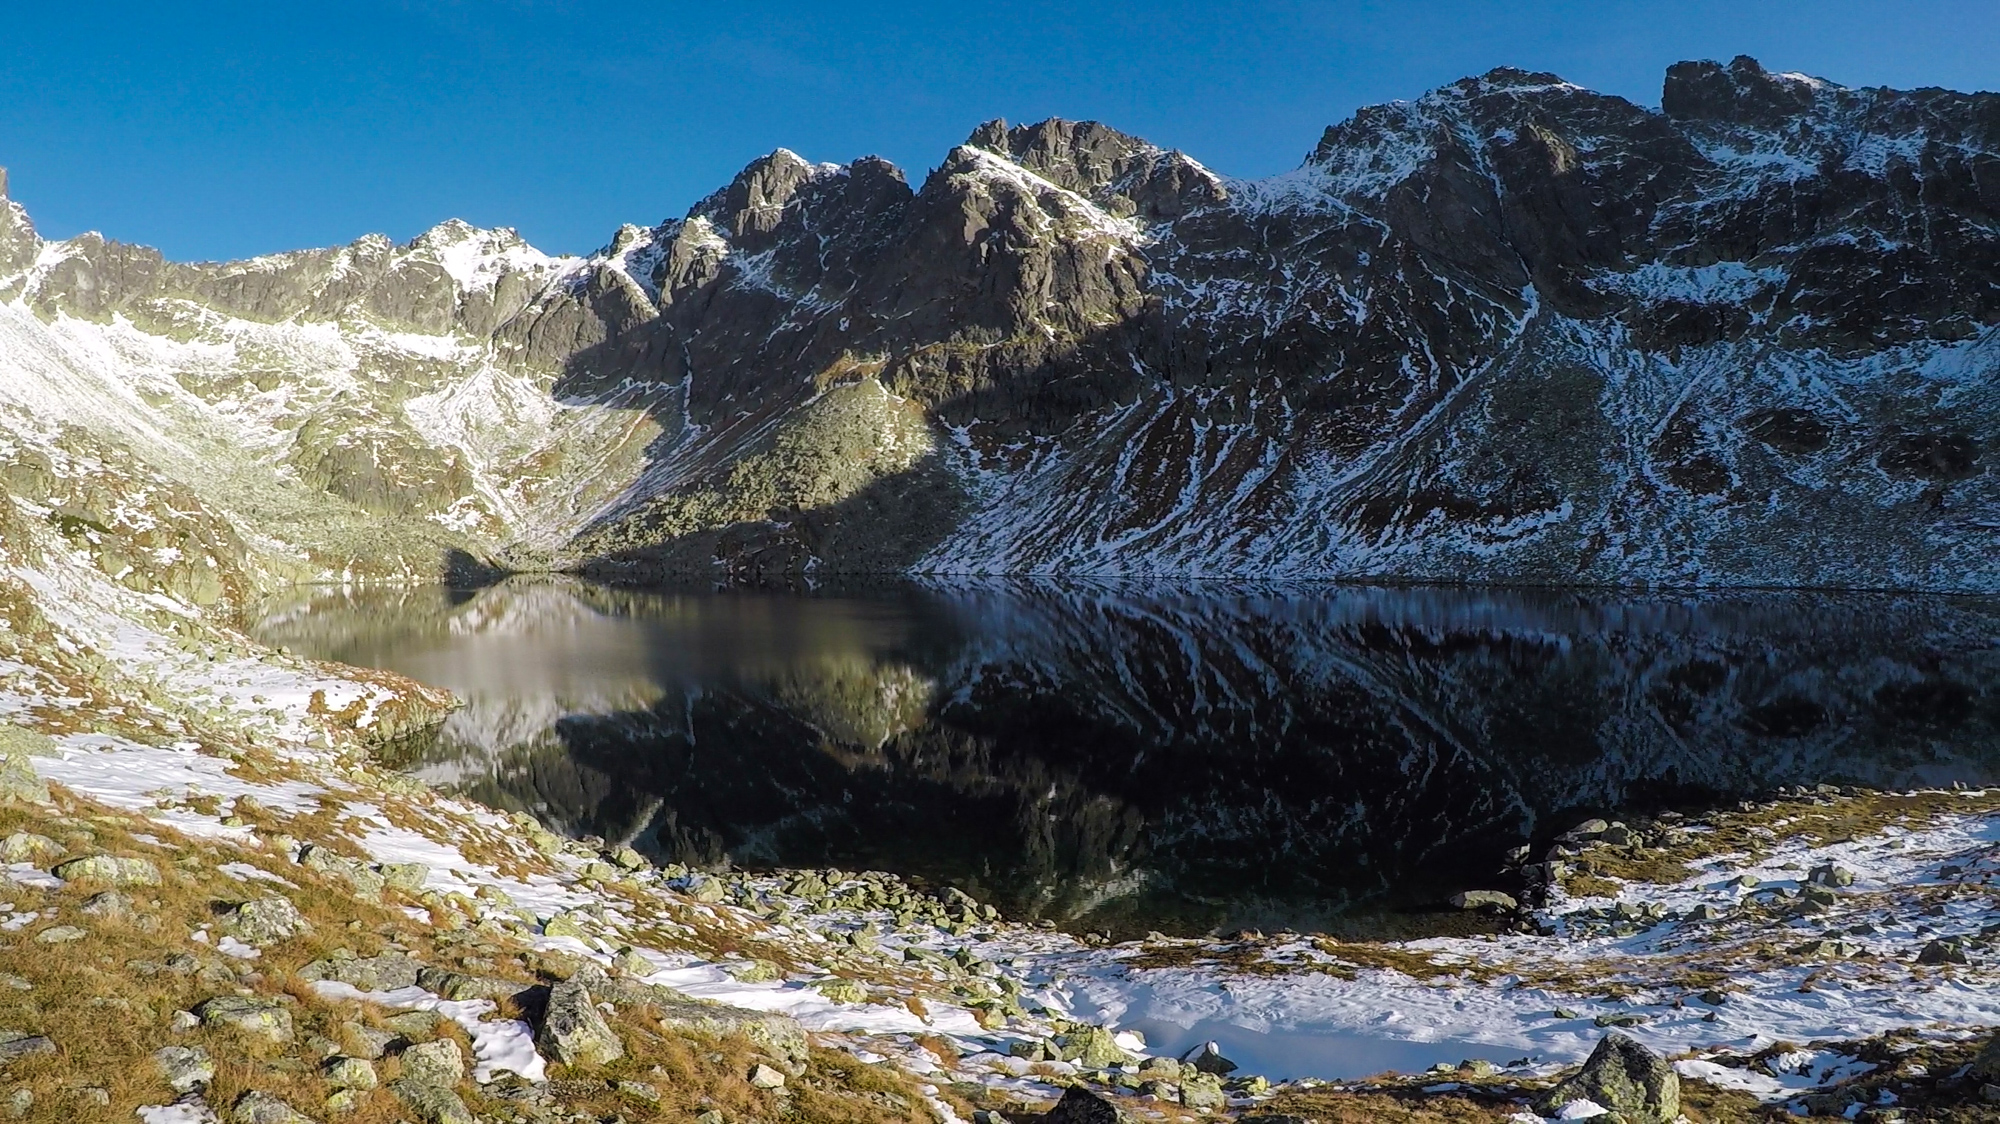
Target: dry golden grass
(107,1000)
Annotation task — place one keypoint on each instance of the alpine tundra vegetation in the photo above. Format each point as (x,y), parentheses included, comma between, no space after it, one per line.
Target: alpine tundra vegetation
(1511,332)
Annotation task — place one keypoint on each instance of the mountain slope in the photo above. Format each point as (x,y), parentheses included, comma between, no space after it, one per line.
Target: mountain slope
(1512,331)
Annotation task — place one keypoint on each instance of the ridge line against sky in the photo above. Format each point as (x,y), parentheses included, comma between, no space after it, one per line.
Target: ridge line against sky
(230,129)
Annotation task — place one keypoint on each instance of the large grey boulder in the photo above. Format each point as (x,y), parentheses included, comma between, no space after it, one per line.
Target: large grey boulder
(440,1062)
(386,972)
(432,1104)
(573,1031)
(1625,1077)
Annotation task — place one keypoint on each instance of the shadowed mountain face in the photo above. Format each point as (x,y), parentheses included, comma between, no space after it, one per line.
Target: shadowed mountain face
(1513,330)
(1180,759)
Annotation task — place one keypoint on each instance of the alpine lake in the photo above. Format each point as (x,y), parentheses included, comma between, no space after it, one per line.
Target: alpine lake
(1124,757)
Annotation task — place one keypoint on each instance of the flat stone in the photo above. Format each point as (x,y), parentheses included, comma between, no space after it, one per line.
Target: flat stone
(265,1018)
(1484,899)
(386,972)
(18,1044)
(61,934)
(27,847)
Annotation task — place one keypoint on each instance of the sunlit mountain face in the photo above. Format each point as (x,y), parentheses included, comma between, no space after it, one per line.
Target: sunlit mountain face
(1178,758)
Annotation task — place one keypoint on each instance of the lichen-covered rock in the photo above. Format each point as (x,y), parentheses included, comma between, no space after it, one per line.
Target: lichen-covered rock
(186,1068)
(113,870)
(262,1108)
(573,1031)
(385,972)
(266,921)
(263,1018)
(366,882)
(431,1104)
(27,847)
(1094,1047)
(406,877)
(441,1062)
(343,1072)
(1624,1077)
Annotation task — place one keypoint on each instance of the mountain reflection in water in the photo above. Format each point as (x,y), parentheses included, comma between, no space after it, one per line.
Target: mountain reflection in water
(1177,758)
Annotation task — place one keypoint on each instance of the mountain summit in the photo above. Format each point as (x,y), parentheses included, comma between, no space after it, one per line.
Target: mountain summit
(1511,331)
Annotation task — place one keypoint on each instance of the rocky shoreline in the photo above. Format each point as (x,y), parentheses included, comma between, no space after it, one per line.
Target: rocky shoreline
(374,949)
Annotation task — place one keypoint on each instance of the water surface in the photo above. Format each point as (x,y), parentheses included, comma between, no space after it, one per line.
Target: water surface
(1157,757)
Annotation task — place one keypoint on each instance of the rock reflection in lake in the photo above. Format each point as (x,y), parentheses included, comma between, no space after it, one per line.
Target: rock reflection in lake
(1175,758)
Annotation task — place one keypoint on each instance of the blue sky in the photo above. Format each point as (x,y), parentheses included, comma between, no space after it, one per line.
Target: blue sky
(225,129)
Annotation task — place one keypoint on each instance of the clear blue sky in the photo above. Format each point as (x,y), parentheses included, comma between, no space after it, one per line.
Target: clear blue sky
(225,129)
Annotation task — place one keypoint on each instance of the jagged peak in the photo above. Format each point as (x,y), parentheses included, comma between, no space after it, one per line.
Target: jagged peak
(1743,92)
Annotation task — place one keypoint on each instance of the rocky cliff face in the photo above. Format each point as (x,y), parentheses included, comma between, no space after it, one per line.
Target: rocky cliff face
(1512,331)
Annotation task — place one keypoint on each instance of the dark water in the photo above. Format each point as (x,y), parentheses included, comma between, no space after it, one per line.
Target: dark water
(1180,758)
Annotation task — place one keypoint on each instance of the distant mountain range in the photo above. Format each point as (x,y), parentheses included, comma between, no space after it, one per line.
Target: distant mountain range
(1512,331)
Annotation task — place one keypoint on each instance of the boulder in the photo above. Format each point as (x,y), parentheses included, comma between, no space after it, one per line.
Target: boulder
(764,1077)
(1094,1047)
(366,882)
(406,877)
(458,986)
(573,1032)
(1625,1078)
(19,783)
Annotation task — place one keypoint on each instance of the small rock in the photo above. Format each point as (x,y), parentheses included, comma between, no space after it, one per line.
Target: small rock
(61,934)
(27,847)
(1484,899)
(366,882)
(1207,1058)
(18,1101)
(573,1032)
(628,858)
(109,869)
(183,1021)
(345,1102)
(344,1072)
(641,1091)
(563,925)
(631,962)
(18,1044)
(266,921)
(1588,829)
(1831,875)
(19,783)
(432,1104)
(764,1077)
(265,1018)
(367,1042)
(407,877)
(263,1108)
(109,905)
(436,1063)
(186,1068)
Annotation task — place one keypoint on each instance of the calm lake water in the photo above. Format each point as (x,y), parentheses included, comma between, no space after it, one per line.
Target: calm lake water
(1152,756)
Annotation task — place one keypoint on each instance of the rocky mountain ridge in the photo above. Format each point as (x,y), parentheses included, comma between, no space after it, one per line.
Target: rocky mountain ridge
(1512,331)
